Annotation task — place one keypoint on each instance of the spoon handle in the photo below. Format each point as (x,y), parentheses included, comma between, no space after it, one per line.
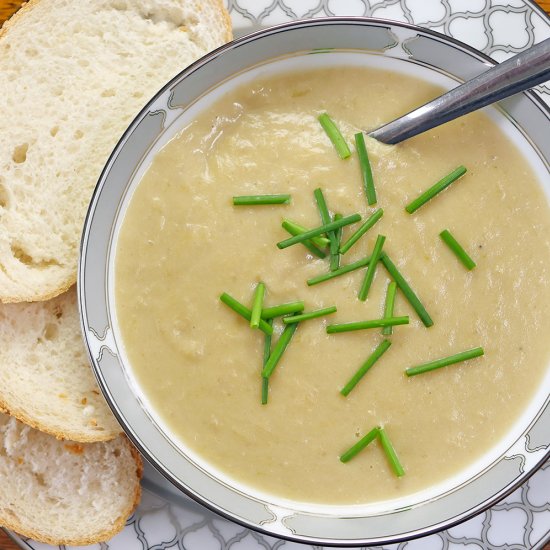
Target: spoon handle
(514,75)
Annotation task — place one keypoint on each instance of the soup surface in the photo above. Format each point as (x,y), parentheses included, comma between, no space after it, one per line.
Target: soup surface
(183,243)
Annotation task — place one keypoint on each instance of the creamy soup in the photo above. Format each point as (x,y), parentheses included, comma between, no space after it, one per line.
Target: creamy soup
(183,243)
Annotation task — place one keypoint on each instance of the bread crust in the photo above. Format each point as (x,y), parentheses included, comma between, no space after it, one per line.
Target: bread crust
(16,16)
(226,19)
(68,434)
(40,297)
(120,522)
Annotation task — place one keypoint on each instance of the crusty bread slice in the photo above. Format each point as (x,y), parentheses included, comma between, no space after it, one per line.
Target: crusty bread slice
(73,74)
(60,492)
(46,379)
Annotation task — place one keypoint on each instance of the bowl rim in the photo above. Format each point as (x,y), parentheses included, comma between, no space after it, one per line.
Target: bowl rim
(127,427)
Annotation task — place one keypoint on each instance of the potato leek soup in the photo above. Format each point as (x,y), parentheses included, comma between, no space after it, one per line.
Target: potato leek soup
(437,248)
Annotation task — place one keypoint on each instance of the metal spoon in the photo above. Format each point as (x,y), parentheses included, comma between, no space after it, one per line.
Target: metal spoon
(514,75)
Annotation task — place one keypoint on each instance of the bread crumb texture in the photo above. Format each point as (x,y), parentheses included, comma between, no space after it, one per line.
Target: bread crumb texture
(47,381)
(58,496)
(72,77)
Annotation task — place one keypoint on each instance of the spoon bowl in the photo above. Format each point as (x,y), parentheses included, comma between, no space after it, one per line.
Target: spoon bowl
(517,74)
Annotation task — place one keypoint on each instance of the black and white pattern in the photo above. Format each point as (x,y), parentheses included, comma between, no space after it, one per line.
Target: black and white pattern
(498,28)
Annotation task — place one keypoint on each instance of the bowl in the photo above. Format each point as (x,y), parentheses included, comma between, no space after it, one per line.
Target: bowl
(367,42)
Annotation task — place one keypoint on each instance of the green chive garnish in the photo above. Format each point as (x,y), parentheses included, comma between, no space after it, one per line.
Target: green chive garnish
(435,189)
(361,231)
(319,231)
(335,136)
(279,349)
(243,311)
(326,219)
(407,290)
(372,323)
(366,171)
(389,305)
(375,355)
(283,309)
(253,200)
(335,245)
(390,453)
(322,206)
(309,315)
(451,360)
(267,353)
(459,252)
(308,243)
(369,275)
(257,304)
(265,390)
(360,445)
(340,271)
(296,229)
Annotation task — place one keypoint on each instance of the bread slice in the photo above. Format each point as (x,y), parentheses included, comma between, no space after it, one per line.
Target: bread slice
(46,379)
(61,492)
(73,75)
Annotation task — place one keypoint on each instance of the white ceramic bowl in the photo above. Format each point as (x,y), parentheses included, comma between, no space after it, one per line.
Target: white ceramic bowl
(364,42)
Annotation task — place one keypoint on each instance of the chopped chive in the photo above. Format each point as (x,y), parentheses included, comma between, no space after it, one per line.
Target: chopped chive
(283,309)
(389,306)
(335,136)
(296,229)
(322,206)
(308,243)
(369,275)
(459,252)
(372,323)
(279,349)
(360,445)
(267,353)
(407,290)
(319,231)
(252,200)
(335,245)
(340,271)
(265,390)
(257,304)
(366,171)
(390,453)
(243,311)
(362,230)
(435,189)
(309,315)
(267,344)
(374,356)
(326,219)
(451,360)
